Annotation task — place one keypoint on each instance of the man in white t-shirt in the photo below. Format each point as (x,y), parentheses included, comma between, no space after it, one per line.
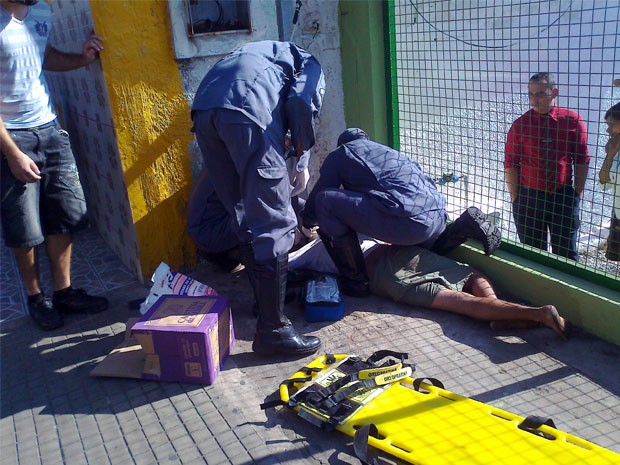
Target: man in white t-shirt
(42,198)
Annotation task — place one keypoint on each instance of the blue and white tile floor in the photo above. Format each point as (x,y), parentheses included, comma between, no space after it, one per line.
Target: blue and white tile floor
(94,267)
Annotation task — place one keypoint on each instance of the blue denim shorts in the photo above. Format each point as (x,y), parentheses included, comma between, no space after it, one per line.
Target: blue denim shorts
(53,205)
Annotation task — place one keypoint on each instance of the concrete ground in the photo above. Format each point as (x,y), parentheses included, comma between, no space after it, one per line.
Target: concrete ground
(52,411)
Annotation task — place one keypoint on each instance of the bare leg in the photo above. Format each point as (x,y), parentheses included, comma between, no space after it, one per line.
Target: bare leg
(28,268)
(489,309)
(479,285)
(58,247)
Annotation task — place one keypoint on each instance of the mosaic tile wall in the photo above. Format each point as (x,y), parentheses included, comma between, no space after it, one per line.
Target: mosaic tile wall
(82,104)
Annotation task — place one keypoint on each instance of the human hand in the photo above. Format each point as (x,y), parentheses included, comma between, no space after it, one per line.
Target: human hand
(92,47)
(603,175)
(310,233)
(24,168)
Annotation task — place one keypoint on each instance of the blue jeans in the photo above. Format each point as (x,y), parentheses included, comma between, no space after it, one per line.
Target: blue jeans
(538,213)
(53,205)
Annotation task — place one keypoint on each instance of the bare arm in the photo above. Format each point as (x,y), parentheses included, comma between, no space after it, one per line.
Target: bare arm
(611,149)
(512,181)
(21,165)
(55,60)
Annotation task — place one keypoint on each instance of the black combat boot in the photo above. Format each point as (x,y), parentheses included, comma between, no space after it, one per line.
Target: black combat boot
(274,332)
(472,224)
(347,255)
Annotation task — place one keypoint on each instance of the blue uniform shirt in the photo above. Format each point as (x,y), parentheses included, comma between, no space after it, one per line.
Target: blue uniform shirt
(277,85)
(395,182)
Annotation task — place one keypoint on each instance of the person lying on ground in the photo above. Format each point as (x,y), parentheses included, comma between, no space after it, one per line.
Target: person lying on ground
(416,276)
(369,188)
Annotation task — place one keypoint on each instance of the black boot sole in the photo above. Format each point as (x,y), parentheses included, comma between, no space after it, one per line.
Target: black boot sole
(47,326)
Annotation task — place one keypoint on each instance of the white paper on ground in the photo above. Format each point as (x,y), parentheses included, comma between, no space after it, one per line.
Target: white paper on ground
(166,281)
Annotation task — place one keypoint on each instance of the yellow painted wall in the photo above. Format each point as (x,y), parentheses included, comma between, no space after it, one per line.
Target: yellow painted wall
(152,123)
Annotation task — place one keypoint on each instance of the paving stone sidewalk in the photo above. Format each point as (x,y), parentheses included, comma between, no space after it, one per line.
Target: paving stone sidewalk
(53,412)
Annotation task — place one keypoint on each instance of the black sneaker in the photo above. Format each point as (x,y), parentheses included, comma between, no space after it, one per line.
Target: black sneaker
(489,236)
(78,301)
(475,225)
(44,314)
(472,224)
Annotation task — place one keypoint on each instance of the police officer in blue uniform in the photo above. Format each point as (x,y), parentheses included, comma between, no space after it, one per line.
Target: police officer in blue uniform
(243,108)
(384,195)
(372,189)
(210,225)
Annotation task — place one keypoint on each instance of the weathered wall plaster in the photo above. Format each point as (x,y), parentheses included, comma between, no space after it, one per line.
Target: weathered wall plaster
(317,32)
(150,153)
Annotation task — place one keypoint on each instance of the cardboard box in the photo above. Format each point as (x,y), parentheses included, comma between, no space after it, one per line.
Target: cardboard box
(180,338)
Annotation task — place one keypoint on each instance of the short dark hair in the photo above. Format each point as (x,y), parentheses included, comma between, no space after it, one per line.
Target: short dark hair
(544,77)
(350,135)
(614,112)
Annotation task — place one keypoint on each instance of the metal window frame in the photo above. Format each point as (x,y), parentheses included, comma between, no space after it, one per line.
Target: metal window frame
(190,22)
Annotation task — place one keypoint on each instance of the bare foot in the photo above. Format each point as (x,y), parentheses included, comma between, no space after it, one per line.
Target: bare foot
(552,319)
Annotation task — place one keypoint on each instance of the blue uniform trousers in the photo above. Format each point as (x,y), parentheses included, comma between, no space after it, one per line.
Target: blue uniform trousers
(338,211)
(208,221)
(248,171)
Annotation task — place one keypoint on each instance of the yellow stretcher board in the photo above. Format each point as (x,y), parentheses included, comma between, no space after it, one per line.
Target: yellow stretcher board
(433,426)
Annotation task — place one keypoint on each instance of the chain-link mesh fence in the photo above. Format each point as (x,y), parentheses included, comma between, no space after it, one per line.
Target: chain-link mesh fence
(461,77)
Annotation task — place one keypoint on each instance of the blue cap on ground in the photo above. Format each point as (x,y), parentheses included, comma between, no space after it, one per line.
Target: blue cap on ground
(351,134)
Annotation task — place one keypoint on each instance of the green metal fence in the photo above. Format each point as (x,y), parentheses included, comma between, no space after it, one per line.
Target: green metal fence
(459,75)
